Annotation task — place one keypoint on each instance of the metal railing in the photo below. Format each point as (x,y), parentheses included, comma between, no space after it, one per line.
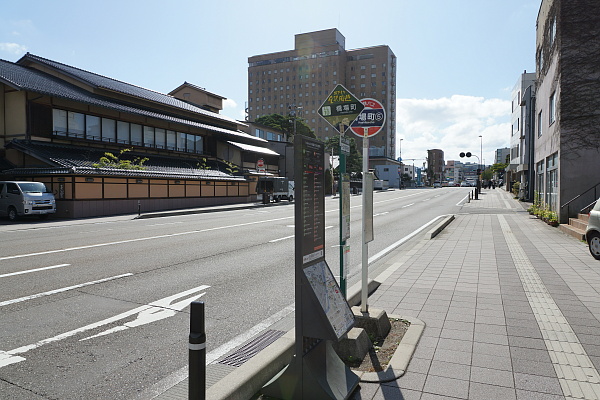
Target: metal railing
(582,194)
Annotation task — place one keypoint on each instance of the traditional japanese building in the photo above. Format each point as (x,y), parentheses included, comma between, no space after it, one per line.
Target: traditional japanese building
(166,151)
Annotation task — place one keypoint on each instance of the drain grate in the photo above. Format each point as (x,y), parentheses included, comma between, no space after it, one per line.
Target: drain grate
(252,348)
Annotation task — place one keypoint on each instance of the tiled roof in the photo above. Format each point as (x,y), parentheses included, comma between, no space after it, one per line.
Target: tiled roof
(254,149)
(24,78)
(65,159)
(104,82)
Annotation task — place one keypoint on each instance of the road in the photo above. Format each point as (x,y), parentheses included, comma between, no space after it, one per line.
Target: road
(99,309)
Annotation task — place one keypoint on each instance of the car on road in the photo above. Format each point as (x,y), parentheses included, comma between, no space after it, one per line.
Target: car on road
(437,184)
(25,198)
(592,233)
(465,184)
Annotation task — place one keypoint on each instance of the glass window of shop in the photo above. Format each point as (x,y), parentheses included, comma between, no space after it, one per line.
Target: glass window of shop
(181,139)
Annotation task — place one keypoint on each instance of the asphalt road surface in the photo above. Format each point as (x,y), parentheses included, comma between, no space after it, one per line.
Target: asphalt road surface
(99,308)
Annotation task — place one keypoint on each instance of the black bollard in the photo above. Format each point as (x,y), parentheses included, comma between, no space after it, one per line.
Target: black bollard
(139,207)
(197,353)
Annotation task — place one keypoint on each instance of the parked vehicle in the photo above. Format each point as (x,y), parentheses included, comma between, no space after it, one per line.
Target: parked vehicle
(275,188)
(437,184)
(25,198)
(592,233)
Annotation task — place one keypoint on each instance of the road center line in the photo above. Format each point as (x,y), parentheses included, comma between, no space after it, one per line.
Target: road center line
(34,270)
(35,296)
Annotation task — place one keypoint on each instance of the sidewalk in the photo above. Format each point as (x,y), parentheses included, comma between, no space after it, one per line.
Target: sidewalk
(511,307)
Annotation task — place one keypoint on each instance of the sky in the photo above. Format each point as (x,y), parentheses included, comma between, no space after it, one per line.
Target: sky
(457,60)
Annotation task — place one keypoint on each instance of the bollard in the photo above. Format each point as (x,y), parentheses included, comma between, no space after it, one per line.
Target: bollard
(197,353)
(139,207)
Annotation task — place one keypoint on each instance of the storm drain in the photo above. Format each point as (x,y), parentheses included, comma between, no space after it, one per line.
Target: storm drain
(250,349)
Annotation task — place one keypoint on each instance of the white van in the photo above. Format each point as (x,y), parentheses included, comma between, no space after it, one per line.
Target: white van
(25,198)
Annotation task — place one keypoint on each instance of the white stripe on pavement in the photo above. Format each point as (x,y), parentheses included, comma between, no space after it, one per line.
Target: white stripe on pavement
(35,296)
(34,270)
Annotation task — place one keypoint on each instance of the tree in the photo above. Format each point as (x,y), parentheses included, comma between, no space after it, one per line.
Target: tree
(109,160)
(353,160)
(285,123)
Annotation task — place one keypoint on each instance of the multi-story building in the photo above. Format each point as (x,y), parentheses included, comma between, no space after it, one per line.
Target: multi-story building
(453,171)
(435,165)
(522,136)
(502,155)
(567,103)
(299,81)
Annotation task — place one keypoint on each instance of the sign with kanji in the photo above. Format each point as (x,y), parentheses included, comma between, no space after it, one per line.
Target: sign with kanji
(344,145)
(371,119)
(341,108)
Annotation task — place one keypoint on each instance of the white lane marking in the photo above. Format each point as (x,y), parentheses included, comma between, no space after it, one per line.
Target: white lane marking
(142,239)
(427,199)
(166,223)
(34,270)
(291,236)
(152,312)
(382,213)
(408,205)
(280,239)
(401,241)
(460,203)
(35,296)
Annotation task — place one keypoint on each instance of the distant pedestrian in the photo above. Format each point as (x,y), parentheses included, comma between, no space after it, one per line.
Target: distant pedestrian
(493,184)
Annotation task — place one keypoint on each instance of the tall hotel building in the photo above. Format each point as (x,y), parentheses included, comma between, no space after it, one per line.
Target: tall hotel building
(300,80)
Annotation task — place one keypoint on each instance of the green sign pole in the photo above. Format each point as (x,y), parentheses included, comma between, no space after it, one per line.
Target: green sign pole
(342,238)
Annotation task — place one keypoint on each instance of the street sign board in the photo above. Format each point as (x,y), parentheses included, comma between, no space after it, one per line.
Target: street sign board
(260,165)
(344,145)
(371,119)
(340,108)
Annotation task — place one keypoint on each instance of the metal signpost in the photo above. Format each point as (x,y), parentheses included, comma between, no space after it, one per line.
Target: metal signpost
(322,313)
(369,123)
(340,109)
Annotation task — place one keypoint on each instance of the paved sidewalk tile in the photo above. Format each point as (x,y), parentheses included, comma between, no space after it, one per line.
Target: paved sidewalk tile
(511,305)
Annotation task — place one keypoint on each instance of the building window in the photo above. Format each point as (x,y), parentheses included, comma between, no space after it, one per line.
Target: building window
(136,134)
(160,138)
(109,130)
(552,108)
(76,123)
(92,127)
(122,132)
(552,32)
(539,124)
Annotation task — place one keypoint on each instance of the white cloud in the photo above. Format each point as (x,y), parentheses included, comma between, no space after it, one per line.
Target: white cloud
(453,125)
(13,48)
(229,103)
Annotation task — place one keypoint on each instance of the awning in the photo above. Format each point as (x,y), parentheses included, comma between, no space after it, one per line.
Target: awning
(254,149)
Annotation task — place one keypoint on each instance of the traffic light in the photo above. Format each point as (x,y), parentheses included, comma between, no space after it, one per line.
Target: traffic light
(478,171)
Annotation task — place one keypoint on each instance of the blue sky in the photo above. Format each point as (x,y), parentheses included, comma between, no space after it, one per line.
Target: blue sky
(457,59)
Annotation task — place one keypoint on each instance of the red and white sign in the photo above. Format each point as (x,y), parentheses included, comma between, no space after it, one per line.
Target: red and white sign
(371,120)
(260,165)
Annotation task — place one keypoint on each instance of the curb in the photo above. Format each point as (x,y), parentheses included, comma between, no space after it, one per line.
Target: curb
(439,227)
(402,356)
